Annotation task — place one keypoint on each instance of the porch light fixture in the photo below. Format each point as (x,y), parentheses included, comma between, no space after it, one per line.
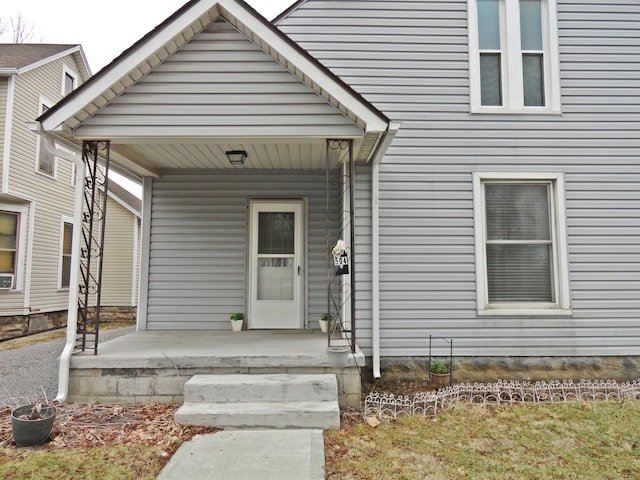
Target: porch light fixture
(236,157)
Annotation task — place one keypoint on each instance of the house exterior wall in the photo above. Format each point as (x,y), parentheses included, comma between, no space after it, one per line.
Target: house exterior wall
(49,198)
(222,82)
(410,59)
(121,257)
(198,243)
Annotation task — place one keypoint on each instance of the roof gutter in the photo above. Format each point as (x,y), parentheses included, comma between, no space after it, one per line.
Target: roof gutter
(390,134)
(72,307)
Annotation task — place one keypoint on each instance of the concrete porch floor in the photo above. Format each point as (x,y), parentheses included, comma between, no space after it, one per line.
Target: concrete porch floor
(148,366)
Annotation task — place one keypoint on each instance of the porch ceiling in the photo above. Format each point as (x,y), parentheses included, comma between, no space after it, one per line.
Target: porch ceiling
(272,153)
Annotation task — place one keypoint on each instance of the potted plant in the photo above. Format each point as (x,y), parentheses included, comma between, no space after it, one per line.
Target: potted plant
(325,322)
(31,424)
(237,320)
(439,374)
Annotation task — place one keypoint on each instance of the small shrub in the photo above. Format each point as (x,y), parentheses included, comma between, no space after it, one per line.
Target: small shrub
(439,368)
(237,316)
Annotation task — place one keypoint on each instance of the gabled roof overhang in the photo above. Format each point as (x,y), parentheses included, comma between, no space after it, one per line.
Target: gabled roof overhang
(166,39)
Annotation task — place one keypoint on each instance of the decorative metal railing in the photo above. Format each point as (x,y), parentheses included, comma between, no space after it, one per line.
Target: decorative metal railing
(340,292)
(391,407)
(96,184)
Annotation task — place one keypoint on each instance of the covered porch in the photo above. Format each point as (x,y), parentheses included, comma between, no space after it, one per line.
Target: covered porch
(153,366)
(247,148)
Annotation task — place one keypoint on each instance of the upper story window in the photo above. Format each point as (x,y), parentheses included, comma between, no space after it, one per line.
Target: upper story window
(513,56)
(45,160)
(520,244)
(69,81)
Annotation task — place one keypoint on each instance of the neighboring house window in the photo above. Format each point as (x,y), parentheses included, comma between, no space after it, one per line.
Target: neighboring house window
(9,230)
(513,56)
(46,161)
(69,81)
(65,254)
(520,246)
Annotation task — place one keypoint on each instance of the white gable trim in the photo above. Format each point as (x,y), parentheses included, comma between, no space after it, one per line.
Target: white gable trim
(162,43)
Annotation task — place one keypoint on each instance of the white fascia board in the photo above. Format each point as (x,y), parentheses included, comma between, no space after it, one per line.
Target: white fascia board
(232,10)
(123,68)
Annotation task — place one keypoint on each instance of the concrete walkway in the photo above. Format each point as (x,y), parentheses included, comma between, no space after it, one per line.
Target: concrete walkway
(250,454)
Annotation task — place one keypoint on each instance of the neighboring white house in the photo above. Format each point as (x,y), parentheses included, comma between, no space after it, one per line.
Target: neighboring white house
(502,213)
(37,195)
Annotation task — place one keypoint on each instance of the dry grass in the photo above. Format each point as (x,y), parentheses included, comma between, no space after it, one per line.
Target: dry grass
(101,442)
(597,441)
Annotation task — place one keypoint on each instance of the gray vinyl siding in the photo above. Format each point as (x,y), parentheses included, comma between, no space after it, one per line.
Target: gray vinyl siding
(410,59)
(198,243)
(219,82)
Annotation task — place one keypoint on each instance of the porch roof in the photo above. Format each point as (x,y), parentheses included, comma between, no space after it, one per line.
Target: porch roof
(333,110)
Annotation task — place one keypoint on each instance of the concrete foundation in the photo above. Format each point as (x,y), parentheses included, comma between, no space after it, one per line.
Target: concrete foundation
(146,366)
(491,369)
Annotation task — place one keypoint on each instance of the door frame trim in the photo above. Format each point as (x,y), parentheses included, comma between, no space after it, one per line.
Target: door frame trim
(304,279)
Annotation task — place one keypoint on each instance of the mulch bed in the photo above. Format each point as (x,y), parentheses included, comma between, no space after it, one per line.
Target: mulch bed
(86,426)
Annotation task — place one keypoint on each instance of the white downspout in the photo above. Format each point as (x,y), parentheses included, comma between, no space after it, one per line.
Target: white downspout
(72,307)
(375,244)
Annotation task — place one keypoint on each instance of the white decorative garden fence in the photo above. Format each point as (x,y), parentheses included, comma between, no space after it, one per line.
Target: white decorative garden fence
(389,406)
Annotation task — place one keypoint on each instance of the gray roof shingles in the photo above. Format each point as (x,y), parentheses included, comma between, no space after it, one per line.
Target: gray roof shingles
(19,55)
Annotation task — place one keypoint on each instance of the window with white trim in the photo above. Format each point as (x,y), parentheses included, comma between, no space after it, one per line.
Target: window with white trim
(12,244)
(66,236)
(520,244)
(69,80)
(513,56)
(9,230)
(45,160)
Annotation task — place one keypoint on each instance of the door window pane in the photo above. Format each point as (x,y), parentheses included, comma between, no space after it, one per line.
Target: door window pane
(490,85)
(533,80)
(275,278)
(489,24)
(276,233)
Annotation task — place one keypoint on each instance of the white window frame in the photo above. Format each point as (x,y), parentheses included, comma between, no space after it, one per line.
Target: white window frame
(67,71)
(559,246)
(64,220)
(40,143)
(511,64)
(23,213)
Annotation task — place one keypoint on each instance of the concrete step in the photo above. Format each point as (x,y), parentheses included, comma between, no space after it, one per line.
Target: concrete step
(261,415)
(265,388)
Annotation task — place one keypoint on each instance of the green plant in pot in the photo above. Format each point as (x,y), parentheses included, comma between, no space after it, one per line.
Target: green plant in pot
(237,320)
(324,321)
(439,375)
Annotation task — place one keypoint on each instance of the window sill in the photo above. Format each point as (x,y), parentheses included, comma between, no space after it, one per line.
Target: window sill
(515,111)
(525,312)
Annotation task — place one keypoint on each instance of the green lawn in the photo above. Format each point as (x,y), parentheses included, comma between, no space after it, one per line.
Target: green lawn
(583,441)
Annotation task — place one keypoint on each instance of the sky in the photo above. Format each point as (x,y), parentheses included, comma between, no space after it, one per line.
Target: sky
(103,28)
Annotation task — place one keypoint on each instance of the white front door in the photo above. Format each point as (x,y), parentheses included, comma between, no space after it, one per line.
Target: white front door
(275,264)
